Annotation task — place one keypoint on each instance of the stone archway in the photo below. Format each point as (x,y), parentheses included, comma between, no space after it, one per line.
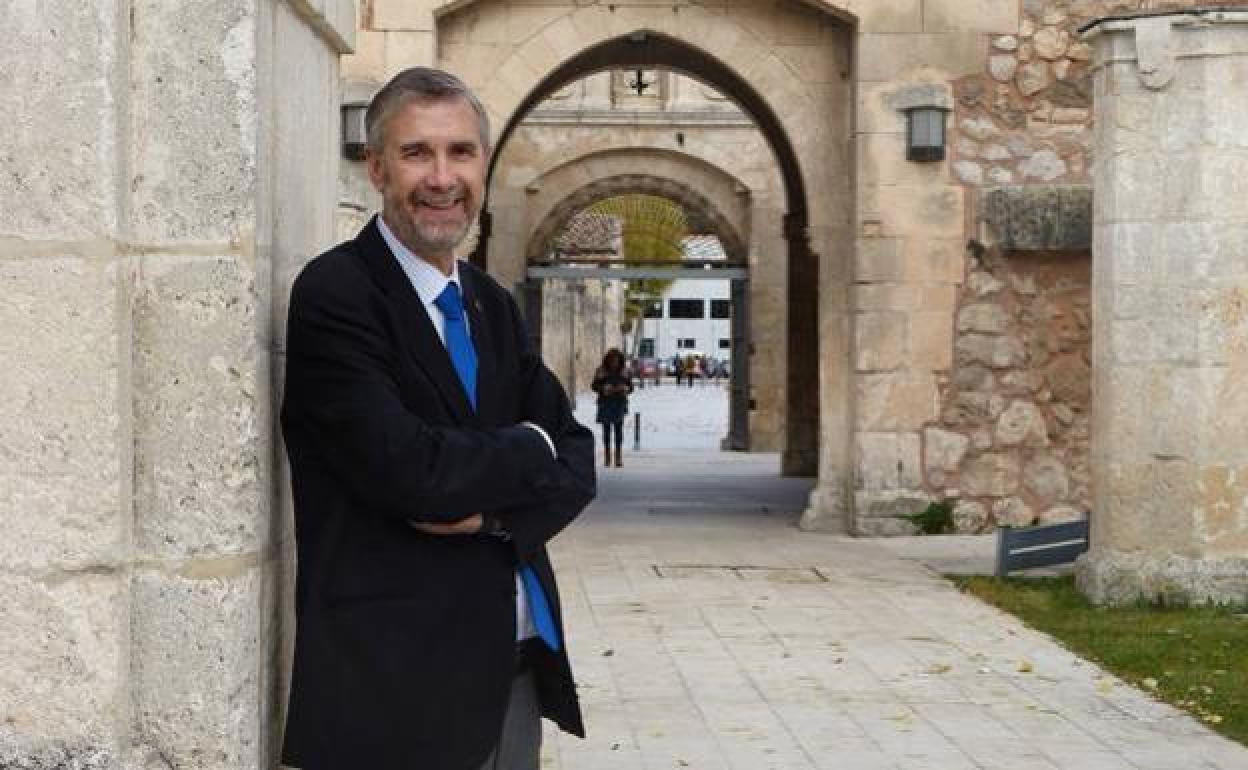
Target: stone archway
(701,211)
(705,217)
(800,61)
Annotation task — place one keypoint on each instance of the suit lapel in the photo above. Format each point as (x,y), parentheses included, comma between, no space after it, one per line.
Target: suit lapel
(483,341)
(423,344)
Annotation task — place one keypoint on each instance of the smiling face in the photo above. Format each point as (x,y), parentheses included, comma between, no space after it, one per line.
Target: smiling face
(431,175)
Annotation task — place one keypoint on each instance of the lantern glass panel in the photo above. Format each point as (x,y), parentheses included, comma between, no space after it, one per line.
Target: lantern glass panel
(926,139)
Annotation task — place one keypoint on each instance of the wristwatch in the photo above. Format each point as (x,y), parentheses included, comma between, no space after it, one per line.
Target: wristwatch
(493,526)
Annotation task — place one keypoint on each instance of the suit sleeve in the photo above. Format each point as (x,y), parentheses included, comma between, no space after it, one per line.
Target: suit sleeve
(342,405)
(545,403)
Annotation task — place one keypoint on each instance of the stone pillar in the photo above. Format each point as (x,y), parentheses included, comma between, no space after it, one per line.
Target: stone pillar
(161,159)
(1170,303)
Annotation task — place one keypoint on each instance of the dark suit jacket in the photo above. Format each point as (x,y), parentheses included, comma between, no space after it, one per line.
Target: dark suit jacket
(405,641)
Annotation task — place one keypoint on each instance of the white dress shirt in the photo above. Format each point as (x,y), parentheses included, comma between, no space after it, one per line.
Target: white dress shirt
(429,282)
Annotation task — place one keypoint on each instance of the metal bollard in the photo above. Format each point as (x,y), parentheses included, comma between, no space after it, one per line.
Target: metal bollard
(636,431)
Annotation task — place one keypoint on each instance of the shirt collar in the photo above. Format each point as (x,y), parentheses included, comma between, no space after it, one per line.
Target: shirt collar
(427,280)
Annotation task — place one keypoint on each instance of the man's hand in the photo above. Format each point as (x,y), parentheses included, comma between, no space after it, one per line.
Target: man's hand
(469,525)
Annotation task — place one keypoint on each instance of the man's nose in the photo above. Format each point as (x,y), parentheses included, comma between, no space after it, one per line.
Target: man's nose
(440,174)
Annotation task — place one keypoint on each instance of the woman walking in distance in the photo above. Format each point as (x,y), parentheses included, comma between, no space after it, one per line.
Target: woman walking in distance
(612,385)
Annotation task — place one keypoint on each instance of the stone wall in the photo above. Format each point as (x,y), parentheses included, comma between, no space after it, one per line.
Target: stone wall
(580,323)
(156,185)
(1171,277)
(1012,441)
(1011,445)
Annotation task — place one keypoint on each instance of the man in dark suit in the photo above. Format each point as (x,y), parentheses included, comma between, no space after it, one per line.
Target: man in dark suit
(432,456)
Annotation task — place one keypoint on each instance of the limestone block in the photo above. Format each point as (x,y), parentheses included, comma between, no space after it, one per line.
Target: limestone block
(1005,43)
(880,513)
(1158,492)
(1000,176)
(879,341)
(405,49)
(932,260)
(1059,514)
(890,57)
(888,461)
(992,474)
(943,449)
(876,111)
(201,408)
(979,15)
(1039,217)
(58,146)
(1045,477)
(1221,526)
(979,128)
(1051,43)
(995,152)
(1033,77)
(970,516)
(932,211)
(998,352)
(969,172)
(879,259)
(882,160)
(61,428)
(973,378)
(899,16)
(1022,423)
(193,122)
(886,296)
(896,401)
(1124,577)
(1002,67)
(302,214)
(983,317)
(982,284)
(1012,512)
(1044,165)
(403,14)
(61,683)
(931,341)
(368,61)
(195,661)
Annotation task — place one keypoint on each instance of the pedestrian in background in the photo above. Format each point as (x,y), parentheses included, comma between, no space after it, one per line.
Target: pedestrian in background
(612,384)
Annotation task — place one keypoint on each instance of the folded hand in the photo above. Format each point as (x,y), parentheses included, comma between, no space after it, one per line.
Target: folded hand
(469,525)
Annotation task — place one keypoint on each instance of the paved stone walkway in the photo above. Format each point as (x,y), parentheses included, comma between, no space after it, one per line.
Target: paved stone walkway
(707,632)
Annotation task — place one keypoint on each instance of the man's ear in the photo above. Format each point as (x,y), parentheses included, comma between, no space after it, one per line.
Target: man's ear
(376,171)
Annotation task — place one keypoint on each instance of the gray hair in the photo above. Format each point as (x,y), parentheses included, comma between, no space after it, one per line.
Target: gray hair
(422,85)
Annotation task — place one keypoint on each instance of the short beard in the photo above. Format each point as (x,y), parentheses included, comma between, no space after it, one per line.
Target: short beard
(423,242)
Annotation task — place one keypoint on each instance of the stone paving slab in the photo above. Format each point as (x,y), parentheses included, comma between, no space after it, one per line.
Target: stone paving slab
(842,655)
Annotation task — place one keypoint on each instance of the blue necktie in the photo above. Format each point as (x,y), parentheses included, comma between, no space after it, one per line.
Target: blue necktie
(464,359)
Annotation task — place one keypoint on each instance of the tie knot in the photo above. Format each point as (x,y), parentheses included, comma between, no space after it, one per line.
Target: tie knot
(450,303)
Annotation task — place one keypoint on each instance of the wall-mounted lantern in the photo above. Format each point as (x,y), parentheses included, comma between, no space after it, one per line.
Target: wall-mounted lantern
(925,133)
(354,133)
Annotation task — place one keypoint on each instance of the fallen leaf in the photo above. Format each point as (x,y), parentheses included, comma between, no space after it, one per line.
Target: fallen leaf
(939,668)
(1025,667)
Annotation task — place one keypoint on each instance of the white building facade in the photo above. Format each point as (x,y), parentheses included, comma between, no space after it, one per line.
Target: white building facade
(692,318)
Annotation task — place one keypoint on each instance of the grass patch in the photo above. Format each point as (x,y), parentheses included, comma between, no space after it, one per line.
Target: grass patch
(1193,658)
